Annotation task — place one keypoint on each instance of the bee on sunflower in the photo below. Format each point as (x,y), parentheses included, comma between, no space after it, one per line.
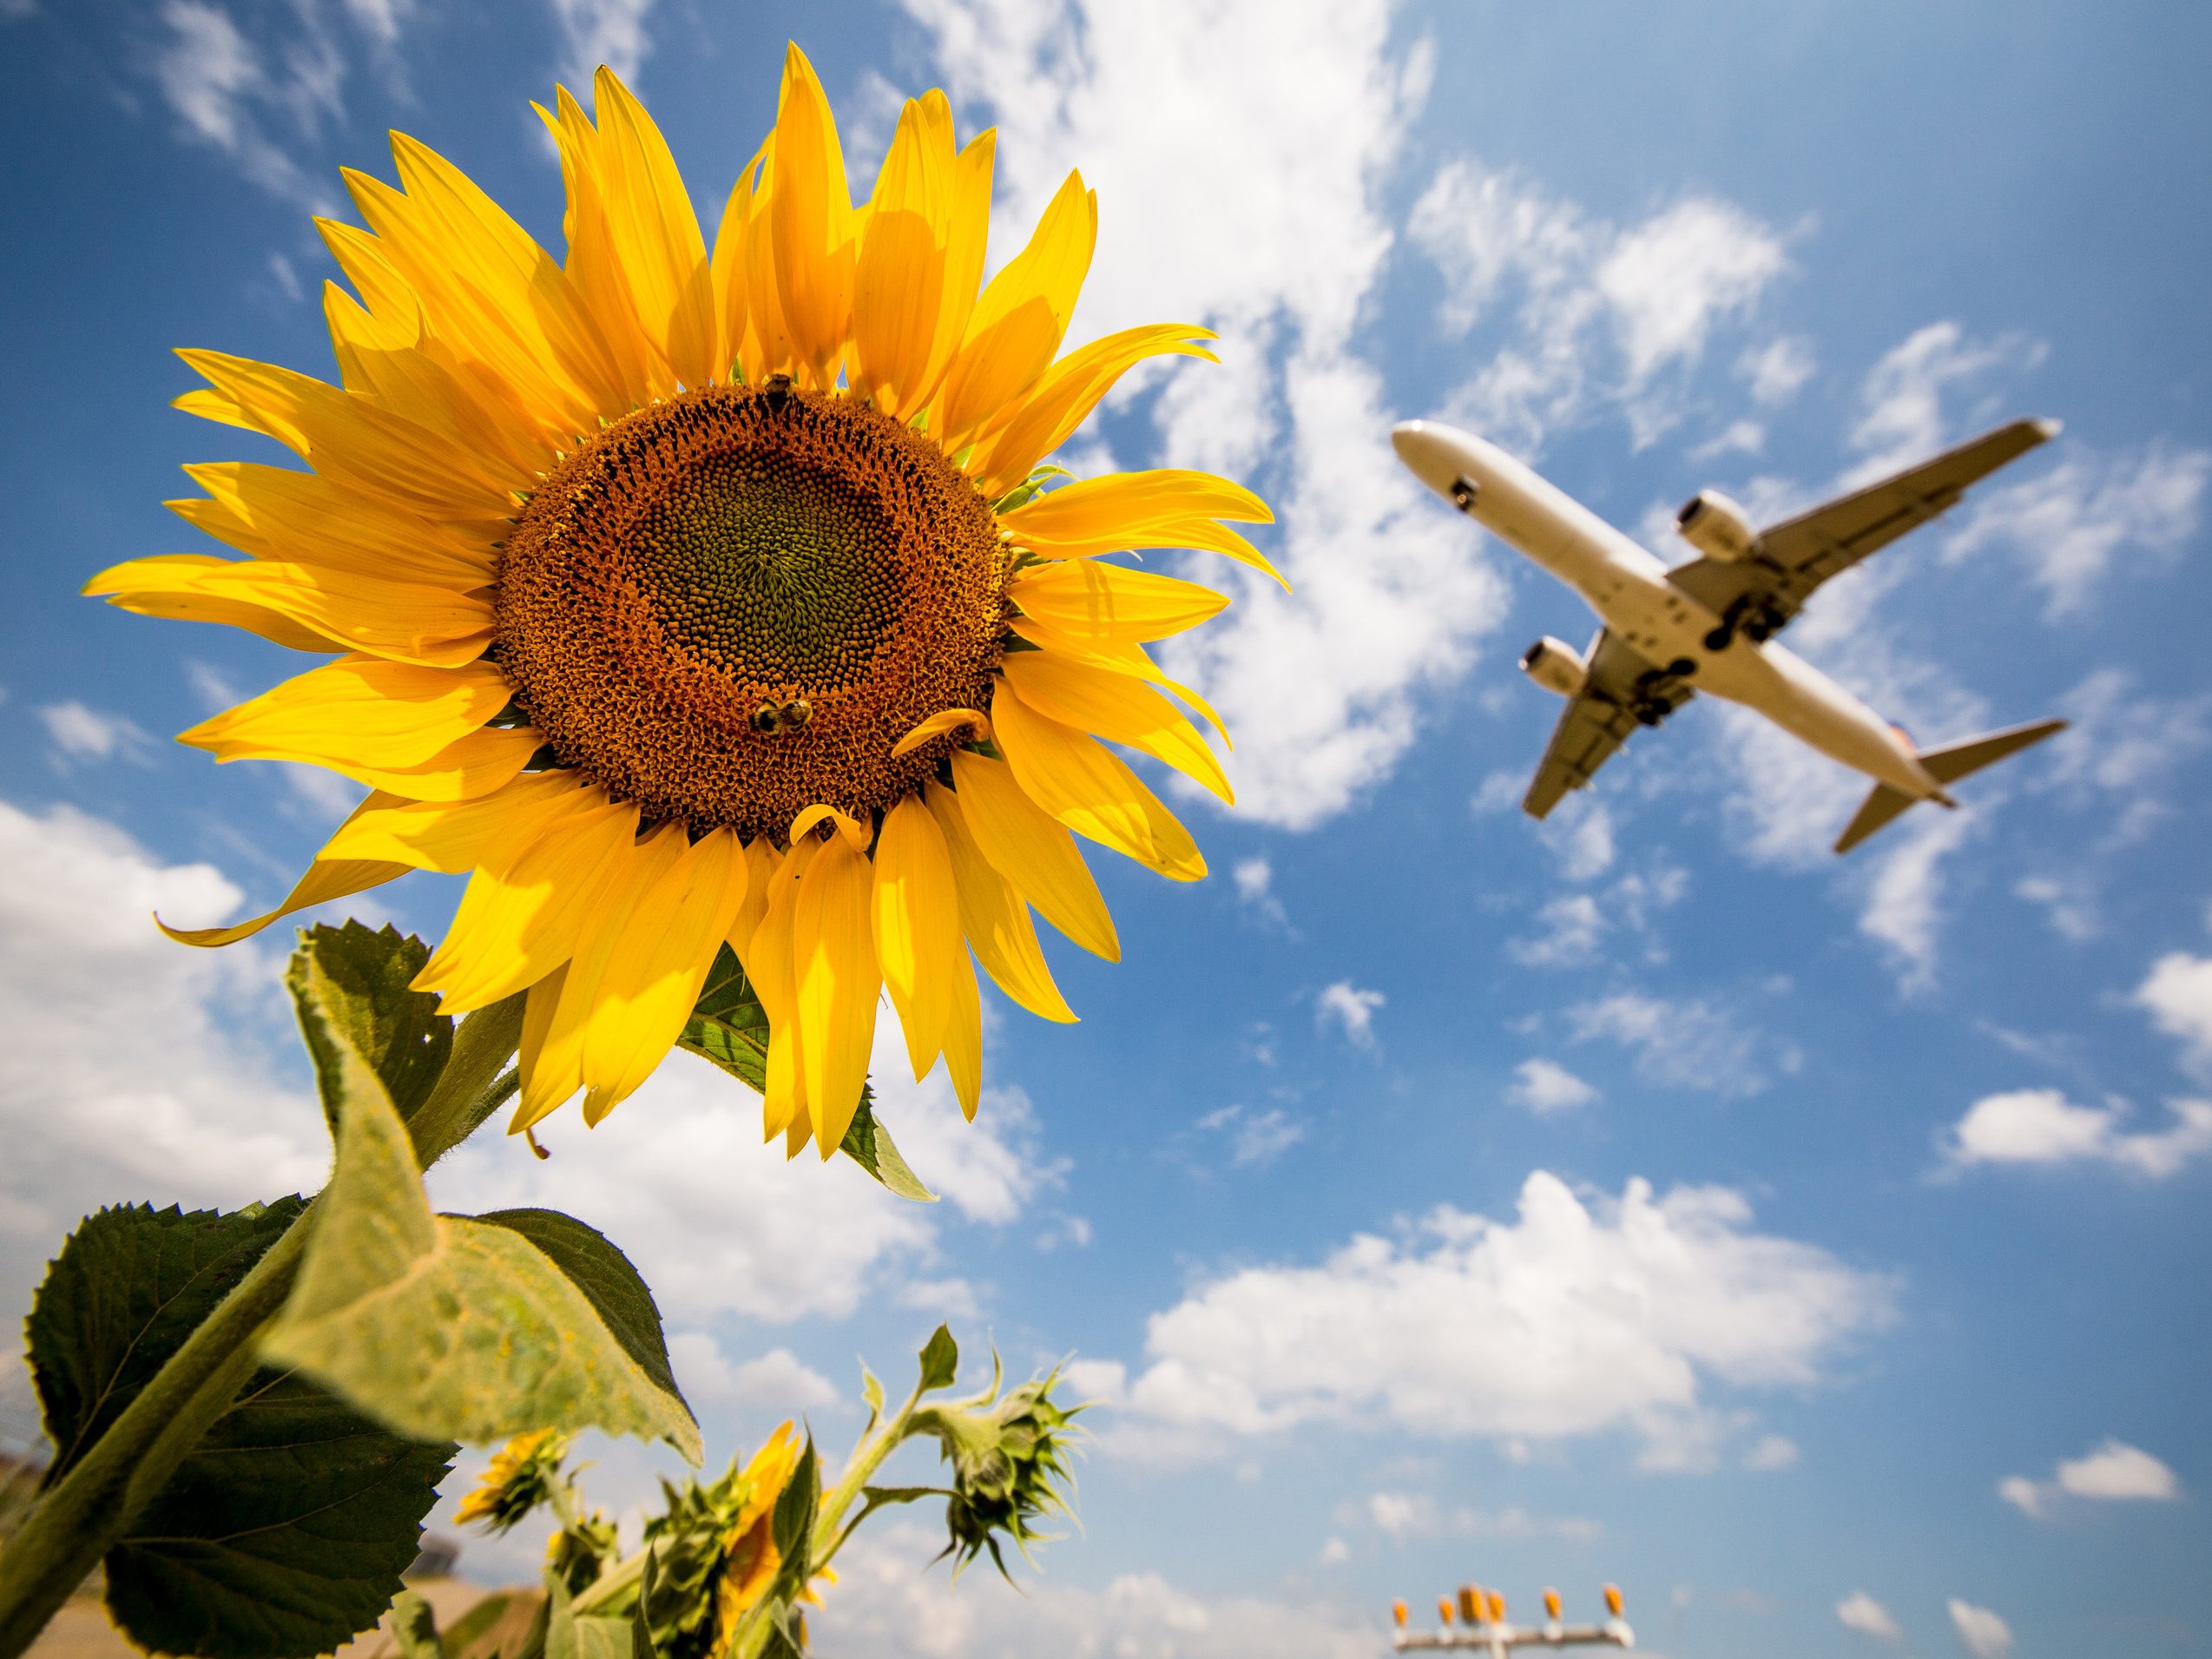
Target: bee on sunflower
(684,596)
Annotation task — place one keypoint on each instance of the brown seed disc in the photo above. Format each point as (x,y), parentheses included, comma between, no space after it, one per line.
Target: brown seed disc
(728,610)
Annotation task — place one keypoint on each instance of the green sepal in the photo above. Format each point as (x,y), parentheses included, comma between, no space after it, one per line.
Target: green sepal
(414,1627)
(1030,488)
(869,1144)
(940,1359)
(355,981)
(442,1327)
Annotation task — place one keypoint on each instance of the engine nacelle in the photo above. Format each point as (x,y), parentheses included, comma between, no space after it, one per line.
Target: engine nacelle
(1716,526)
(1556,665)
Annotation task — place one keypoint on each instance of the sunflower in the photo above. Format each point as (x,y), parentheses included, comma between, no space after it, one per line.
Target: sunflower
(679,597)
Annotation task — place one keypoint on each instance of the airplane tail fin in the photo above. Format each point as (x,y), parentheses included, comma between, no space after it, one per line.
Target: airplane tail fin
(1945,765)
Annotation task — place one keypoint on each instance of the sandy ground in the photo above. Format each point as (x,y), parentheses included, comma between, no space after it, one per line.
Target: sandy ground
(82,1629)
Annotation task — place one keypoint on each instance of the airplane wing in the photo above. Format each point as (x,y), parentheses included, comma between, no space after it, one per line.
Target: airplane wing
(1624,690)
(1794,557)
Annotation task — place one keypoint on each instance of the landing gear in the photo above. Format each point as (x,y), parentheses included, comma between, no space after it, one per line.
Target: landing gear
(1754,616)
(1649,712)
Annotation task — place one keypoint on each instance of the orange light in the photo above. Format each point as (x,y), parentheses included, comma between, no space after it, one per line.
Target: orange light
(1613,1600)
(1497,1608)
(1552,1603)
(1471,1603)
(1398,1614)
(1443,1608)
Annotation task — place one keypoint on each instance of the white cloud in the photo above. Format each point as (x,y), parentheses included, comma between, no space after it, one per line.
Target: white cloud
(1770,1452)
(1335,1552)
(884,1607)
(777,1384)
(720,1223)
(2178,993)
(1737,438)
(1416,1516)
(2041,1126)
(1240,152)
(1545,1086)
(1687,1044)
(1774,372)
(2067,526)
(2069,903)
(2114,1472)
(1571,924)
(130,1068)
(1255,891)
(1351,1010)
(1903,908)
(1902,420)
(602,32)
(1583,838)
(1980,1632)
(1262,1137)
(222,91)
(2125,749)
(80,733)
(1575,1318)
(1862,1612)
(1603,310)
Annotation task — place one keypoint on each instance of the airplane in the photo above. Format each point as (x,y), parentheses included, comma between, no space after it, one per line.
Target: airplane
(1708,624)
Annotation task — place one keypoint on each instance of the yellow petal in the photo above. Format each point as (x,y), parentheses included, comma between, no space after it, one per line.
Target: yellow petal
(1127,510)
(464,770)
(993,917)
(666,943)
(769,965)
(1110,604)
(629,888)
(595,264)
(1019,321)
(539,1084)
(973,721)
(1118,708)
(849,829)
(358,712)
(812,210)
(727,267)
(915,916)
(964,1039)
(1031,851)
(656,236)
(455,837)
(326,879)
(520,916)
(1093,793)
(761,861)
(1117,659)
(898,283)
(1045,417)
(337,609)
(275,513)
(769,346)
(967,236)
(833,962)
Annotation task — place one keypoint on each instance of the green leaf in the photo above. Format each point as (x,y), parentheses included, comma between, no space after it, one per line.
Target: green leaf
(444,1328)
(869,1144)
(130,1284)
(940,1359)
(728,1027)
(414,1626)
(872,1391)
(604,1275)
(792,1525)
(505,1623)
(284,1533)
(570,1635)
(358,978)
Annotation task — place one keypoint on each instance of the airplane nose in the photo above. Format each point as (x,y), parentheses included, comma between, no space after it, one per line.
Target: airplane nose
(1421,445)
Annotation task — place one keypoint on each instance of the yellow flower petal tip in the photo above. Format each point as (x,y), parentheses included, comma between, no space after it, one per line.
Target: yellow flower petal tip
(662,589)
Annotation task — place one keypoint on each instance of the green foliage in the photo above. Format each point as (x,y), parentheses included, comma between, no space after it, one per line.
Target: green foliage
(728,1027)
(604,1275)
(130,1284)
(443,1327)
(940,1359)
(356,980)
(571,1635)
(285,1531)
(414,1626)
(1030,488)
(1008,1456)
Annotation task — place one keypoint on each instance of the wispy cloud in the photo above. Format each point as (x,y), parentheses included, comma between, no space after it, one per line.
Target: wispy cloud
(1349,1011)
(2114,1472)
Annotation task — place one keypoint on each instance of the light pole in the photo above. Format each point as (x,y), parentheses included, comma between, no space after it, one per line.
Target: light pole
(1481,1625)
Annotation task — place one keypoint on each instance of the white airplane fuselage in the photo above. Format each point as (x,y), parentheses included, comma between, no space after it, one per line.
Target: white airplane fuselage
(1628,588)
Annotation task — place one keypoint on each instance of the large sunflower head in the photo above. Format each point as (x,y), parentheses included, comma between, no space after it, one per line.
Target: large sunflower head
(683,596)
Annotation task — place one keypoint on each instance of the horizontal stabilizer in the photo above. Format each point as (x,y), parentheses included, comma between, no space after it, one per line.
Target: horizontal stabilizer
(1961,758)
(1945,765)
(1875,812)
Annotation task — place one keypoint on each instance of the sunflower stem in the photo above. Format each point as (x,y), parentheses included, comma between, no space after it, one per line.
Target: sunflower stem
(93,1506)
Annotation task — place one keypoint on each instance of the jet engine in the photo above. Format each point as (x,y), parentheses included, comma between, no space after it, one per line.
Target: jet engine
(1556,665)
(1714,525)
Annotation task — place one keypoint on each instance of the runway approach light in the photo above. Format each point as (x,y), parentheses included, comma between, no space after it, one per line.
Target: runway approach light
(1474,1621)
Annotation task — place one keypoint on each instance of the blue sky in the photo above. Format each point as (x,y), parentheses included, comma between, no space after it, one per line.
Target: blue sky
(1814,1248)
